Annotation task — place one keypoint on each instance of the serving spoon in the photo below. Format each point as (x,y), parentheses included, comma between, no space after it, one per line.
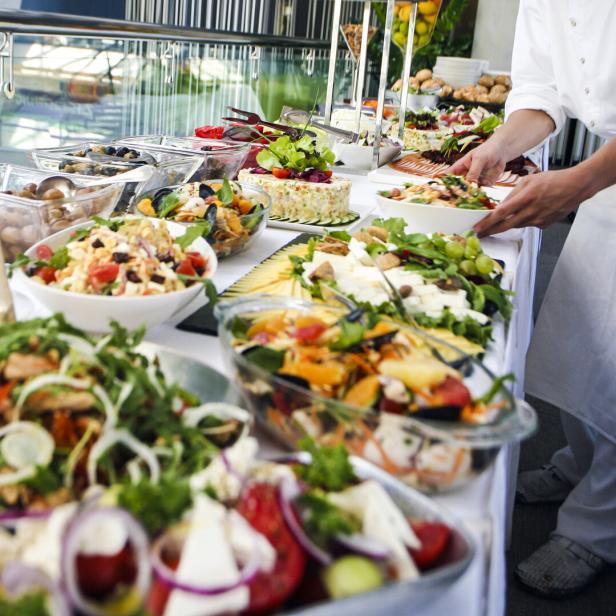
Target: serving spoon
(69,188)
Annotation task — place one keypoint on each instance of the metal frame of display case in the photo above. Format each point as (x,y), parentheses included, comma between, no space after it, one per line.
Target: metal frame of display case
(408,59)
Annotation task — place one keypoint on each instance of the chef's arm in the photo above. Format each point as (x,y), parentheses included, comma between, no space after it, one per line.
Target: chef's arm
(523,130)
(597,172)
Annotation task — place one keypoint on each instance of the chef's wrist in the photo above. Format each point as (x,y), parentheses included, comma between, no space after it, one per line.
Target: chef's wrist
(586,181)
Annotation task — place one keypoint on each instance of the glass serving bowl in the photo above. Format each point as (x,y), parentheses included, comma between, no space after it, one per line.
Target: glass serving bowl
(220,159)
(170,167)
(25,221)
(232,232)
(431,455)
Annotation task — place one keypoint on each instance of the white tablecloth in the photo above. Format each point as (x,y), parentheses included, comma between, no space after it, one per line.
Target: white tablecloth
(484,504)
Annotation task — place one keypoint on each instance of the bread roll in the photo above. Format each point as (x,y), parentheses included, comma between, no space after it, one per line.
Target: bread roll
(486,80)
(483,98)
(430,84)
(423,75)
(479,89)
(446,91)
(503,80)
(498,89)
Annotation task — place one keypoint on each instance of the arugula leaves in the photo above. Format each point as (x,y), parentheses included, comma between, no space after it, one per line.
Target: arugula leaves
(351,333)
(330,468)
(168,204)
(156,506)
(497,384)
(323,520)
(225,193)
(265,358)
(194,232)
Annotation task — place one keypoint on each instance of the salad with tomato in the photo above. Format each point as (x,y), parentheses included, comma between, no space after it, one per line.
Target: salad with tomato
(121,258)
(249,537)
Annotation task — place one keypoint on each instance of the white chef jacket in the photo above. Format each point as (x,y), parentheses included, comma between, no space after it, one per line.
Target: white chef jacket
(564,62)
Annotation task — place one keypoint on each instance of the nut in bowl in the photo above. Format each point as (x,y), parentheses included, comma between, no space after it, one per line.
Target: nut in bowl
(378,387)
(131,270)
(450,204)
(27,217)
(232,215)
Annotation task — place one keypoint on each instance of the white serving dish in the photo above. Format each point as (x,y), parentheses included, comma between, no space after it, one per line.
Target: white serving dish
(93,312)
(358,156)
(423,218)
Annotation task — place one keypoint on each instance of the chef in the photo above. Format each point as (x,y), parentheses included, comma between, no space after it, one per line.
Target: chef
(564,64)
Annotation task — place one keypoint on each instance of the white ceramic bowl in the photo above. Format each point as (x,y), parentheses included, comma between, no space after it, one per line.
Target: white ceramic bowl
(93,312)
(358,156)
(423,218)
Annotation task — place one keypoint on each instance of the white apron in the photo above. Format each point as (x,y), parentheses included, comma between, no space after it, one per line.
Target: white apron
(572,359)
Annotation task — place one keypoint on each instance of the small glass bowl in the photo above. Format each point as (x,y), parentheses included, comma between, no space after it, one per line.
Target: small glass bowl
(25,221)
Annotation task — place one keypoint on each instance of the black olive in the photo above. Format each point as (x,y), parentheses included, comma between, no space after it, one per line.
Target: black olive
(440,413)
(121,151)
(165,258)
(373,343)
(451,284)
(132,276)
(355,315)
(120,257)
(31,270)
(157,279)
(490,308)
(97,244)
(205,191)
(110,150)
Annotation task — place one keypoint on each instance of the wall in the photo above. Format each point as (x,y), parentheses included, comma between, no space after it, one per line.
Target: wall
(494,30)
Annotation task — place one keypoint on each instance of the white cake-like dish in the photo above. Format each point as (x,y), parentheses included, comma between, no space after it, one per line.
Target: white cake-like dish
(300,199)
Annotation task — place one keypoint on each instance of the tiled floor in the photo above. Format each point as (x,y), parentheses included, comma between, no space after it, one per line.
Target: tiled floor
(532,524)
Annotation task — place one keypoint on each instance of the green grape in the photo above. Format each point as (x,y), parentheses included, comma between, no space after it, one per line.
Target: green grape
(468,267)
(469,252)
(473,243)
(439,242)
(454,250)
(484,264)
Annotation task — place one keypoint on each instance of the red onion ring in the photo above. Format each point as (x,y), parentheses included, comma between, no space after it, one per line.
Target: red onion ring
(230,469)
(289,490)
(70,549)
(366,546)
(10,516)
(169,577)
(17,579)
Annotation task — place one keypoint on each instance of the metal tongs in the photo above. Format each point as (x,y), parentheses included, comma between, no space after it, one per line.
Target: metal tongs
(298,116)
(253,119)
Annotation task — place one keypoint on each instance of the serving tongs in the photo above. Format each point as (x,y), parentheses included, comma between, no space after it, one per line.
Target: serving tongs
(298,116)
(253,119)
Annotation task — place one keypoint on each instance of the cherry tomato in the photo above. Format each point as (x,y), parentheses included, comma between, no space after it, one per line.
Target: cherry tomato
(281,173)
(260,506)
(47,274)
(453,392)
(43,252)
(5,390)
(197,259)
(103,274)
(434,538)
(99,574)
(186,268)
(309,332)
(328,173)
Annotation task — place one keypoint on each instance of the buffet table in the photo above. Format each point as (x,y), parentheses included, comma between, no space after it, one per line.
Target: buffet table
(485,504)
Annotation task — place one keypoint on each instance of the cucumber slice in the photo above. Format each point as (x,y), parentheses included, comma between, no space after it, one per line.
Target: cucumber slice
(351,575)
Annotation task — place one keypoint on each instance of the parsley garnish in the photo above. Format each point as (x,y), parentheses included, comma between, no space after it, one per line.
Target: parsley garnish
(330,468)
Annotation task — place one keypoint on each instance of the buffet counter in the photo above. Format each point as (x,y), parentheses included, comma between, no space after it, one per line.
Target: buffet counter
(486,502)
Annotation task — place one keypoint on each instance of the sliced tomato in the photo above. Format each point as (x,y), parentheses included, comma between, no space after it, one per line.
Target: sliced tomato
(186,268)
(260,506)
(452,392)
(44,252)
(281,173)
(47,274)
(106,273)
(6,389)
(434,537)
(197,259)
(98,575)
(210,132)
(160,590)
(309,332)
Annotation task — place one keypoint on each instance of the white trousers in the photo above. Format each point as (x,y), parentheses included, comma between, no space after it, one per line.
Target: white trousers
(588,516)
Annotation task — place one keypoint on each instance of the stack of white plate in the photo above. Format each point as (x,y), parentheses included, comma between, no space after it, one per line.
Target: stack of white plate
(459,72)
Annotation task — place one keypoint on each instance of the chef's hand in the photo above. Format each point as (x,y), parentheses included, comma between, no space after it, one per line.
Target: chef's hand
(537,201)
(483,165)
